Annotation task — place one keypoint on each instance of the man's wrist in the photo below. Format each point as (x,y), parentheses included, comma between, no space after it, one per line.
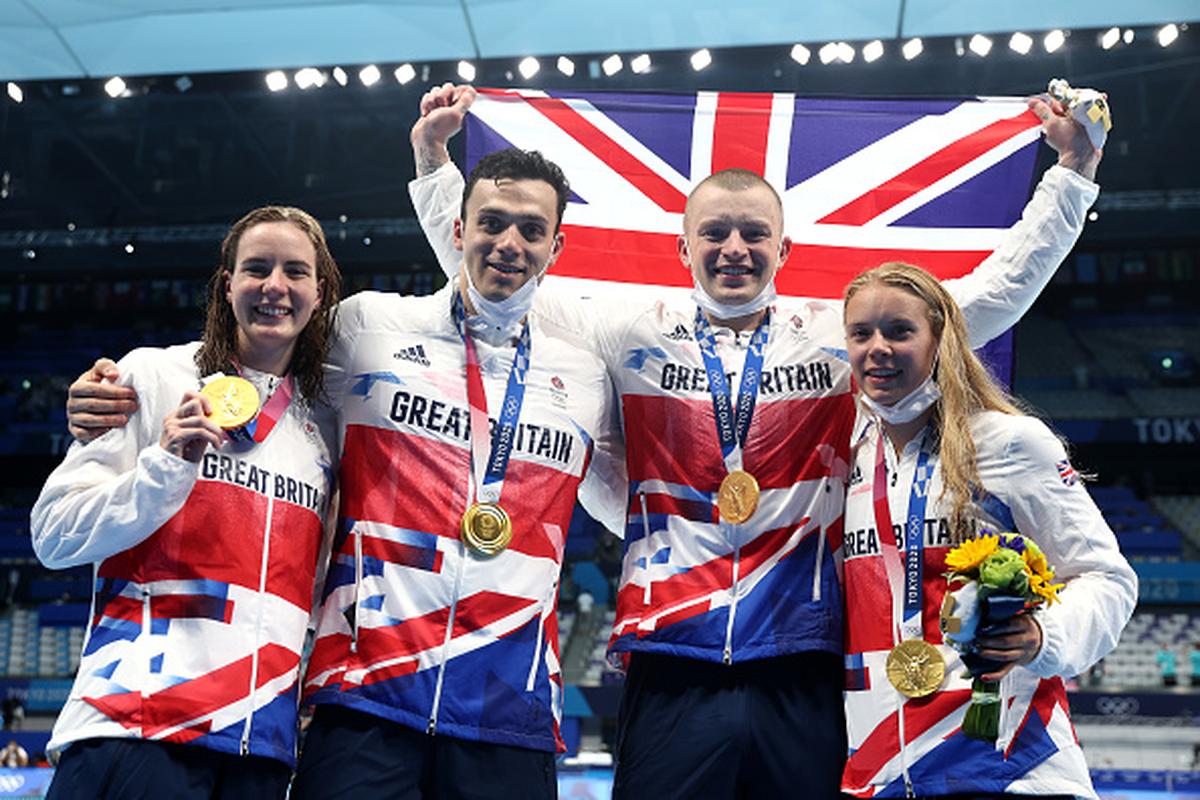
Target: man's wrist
(428,156)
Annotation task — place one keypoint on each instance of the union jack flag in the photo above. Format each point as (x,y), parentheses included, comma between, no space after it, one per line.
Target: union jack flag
(934,182)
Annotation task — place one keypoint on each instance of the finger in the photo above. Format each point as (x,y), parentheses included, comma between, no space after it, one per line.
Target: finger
(1038,106)
(109,391)
(992,677)
(86,435)
(465,98)
(94,422)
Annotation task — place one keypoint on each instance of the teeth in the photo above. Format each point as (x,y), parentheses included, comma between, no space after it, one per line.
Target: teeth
(271,311)
(508,269)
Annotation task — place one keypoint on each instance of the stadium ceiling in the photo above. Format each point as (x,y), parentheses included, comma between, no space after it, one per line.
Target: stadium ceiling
(65,39)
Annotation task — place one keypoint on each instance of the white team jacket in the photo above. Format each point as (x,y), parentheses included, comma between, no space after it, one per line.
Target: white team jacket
(1031,488)
(203,572)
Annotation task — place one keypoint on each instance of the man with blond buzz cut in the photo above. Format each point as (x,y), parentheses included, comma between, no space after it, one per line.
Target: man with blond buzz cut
(729,612)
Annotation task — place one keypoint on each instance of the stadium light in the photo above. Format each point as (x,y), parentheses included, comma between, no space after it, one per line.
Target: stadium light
(183,83)
(828,53)
(308,78)
(701,59)
(404,73)
(1109,39)
(339,75)
(1128,36)
(612,65)
(115,87)
(14,92)
(1020,43)
(872,51)
(466,71)
(1054,40)
(277,81)
(980,45)
(912,48)
(129,248)
(845,52)
(801,54)
(370,75)
(1167,34)
(566,66)
(640,64)
(528,67)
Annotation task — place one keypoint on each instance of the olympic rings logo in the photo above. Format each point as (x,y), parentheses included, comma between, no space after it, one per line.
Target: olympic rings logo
(1117,706)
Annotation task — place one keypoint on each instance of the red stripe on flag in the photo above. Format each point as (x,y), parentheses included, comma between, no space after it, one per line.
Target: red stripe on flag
(932,169)
(812,270)
(614,155)
(740,131)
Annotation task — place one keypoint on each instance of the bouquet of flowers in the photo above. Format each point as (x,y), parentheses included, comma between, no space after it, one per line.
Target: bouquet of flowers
(990,579)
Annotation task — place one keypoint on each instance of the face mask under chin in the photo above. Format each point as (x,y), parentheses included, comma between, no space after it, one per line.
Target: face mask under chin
(502,316)
(909,407)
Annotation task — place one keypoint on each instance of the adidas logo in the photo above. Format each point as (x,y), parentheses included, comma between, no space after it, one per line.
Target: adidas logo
(679,334)
(415,353)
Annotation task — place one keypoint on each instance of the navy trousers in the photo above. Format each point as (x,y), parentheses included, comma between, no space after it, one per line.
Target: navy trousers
(761,729)
(137,769)
(349,754)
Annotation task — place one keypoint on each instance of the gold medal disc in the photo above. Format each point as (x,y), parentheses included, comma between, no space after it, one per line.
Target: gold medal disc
(737,499)
(486,528)
(234,401)
(916,668)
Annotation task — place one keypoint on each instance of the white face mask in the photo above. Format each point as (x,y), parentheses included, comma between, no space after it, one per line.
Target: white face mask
(502,316)
(909,407)
(724,311)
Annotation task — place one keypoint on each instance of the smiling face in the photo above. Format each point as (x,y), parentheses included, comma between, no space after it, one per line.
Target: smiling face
(733,240)
(273,291)
(507,234)
(891,343)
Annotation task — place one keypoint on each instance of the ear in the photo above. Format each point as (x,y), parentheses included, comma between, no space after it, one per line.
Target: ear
(556,249)
(458,234)
(785,250)
(320,294)
(228,276)
(685,256)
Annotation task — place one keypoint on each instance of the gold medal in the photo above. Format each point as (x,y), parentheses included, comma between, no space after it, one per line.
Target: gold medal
(486,528)
(234,401)
(916,668)
(737,498)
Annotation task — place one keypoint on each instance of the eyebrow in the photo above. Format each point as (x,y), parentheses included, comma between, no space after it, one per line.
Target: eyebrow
(500,212)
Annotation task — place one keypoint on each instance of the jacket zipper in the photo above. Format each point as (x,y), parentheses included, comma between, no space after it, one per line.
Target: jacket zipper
(262,591)
(431,729)
(733,597)
(646,530)
(358,570)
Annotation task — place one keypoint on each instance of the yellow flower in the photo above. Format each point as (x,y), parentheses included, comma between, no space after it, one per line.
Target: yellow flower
(1043,588)
(1036,562)
(970,553)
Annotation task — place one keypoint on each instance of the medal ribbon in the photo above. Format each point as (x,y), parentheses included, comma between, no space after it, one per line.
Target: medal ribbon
(904,574)
(259,428)
(732,428)
(490,459)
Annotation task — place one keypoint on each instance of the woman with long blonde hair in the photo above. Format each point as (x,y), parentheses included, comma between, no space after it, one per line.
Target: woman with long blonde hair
(940,452)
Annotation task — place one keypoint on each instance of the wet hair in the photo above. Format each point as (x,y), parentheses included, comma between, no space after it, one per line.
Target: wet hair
(218,348)
(519,165)
(966,385)
(734,179)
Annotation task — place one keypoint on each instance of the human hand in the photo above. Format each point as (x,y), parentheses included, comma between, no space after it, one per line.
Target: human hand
(1015,642)
(1066,135)
(187,431)
(96,404)
(442,111)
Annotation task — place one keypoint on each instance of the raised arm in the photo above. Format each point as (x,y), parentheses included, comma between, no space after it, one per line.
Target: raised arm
(437,190)
(999,292)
